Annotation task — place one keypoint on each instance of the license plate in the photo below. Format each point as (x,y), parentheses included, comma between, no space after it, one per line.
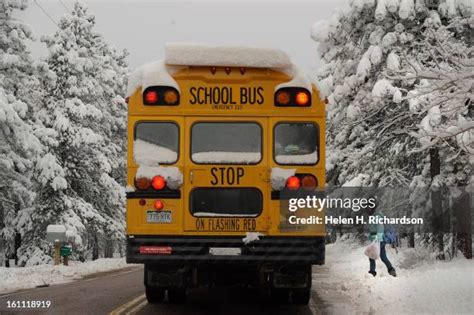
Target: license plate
(158,217)
(225,251)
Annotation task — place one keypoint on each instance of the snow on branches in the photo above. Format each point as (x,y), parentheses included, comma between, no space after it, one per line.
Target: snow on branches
(399,79)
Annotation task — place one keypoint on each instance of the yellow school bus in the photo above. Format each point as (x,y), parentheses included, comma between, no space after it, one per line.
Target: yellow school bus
(213,145)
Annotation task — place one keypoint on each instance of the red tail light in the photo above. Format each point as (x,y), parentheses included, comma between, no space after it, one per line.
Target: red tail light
(158,182)
(151,97)
(158,205)
(142,183)
(302,98)
(309,182)
(293,183)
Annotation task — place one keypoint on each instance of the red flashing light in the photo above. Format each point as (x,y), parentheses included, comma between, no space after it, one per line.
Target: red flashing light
(158,205)
(158,182)
(293,183)
(142,202)
(151,97)
(302,98)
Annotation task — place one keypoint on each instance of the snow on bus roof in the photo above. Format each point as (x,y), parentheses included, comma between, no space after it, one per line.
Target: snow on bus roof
(180,55)
(188,54)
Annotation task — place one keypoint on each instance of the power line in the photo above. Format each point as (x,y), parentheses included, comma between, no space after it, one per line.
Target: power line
(65,6)
(46,13)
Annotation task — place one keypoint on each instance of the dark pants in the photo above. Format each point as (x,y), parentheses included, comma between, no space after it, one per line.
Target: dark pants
(383,257)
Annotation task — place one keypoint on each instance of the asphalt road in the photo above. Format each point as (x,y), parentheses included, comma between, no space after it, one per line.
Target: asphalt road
(122,292)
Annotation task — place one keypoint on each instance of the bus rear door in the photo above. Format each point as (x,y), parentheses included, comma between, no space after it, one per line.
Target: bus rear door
(226,185)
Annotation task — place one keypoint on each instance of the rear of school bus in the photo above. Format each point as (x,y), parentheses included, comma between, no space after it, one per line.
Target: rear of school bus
(206,146)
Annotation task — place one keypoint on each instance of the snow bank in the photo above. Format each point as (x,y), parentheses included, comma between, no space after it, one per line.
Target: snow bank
(13,279)
(227,157)
(422,286)
(279,176)
(172,175)
(146,153)
(310,158)
(151,74)
(252,237)
(188,54)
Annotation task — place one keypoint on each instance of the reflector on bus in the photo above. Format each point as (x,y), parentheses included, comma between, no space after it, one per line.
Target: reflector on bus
(293,97)
(160,95)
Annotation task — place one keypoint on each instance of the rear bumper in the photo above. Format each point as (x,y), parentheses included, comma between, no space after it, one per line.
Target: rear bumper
(195,250)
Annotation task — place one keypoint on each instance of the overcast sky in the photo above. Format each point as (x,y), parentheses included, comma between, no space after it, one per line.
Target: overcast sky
(144,26)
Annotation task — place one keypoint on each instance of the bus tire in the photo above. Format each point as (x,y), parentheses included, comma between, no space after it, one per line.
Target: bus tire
(301,297)
(177,296)
(154,295)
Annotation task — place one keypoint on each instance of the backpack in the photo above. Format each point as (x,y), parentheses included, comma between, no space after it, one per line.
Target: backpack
(389,234)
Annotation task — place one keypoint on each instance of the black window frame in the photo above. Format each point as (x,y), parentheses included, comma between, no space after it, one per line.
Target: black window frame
(159,121)
(232,122)
(317,142)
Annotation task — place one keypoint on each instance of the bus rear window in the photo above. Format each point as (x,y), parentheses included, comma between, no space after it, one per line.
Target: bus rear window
(296,143)
(226,202)
(156,143)
(226,143)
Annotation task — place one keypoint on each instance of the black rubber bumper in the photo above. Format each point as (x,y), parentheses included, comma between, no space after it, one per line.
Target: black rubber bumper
(195,250)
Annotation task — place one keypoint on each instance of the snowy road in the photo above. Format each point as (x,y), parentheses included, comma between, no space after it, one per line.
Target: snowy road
(94,295)
(122,292)
(342,286)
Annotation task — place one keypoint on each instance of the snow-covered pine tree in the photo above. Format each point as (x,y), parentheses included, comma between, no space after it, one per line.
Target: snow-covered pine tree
(369,116)
(379,107)
(81,176)
(18,145)
(367,120)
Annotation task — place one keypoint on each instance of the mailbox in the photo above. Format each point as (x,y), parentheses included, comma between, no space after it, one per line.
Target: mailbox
(56,233)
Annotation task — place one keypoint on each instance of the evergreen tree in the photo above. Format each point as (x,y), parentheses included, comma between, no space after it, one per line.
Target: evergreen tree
(399,81)
(370,124)
(18,145)
(81,176)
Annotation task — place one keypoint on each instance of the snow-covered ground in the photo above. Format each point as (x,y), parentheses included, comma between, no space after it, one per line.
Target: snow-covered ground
(13,279)
(422,286)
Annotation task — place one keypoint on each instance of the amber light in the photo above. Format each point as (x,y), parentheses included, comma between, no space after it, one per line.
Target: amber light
(283,98)
(302,98)
(293,183)
(309,182)
(158,205)
(171,97)
(151,97)
(158,182)
(142,183)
